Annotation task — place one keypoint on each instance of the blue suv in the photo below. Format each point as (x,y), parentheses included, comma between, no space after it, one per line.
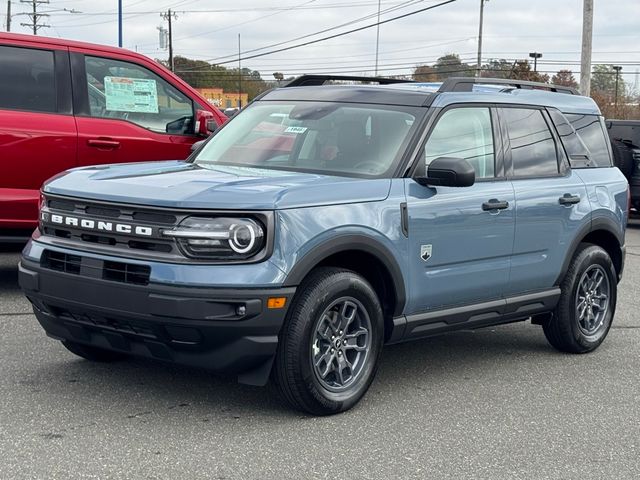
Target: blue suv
(327,220)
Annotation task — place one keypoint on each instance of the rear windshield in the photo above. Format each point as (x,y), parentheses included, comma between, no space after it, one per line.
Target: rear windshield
(590,129)
(320,137)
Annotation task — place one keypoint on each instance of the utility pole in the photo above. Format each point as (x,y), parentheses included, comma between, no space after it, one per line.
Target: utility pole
(377,37)
(617,68)
(167,16)
(35,16)
(239,76)
(8,15)
(479,65)
(585,59)
(535,56)
(120,23)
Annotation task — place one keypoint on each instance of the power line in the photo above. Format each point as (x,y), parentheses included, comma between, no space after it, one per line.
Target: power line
(295,7)
(446,2)
(319,32)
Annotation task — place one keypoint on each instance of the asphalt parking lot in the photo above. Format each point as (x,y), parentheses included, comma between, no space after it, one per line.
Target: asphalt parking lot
(497,403)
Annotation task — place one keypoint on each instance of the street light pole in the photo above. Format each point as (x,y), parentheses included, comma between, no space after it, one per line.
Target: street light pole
(535,56)
(479,65)
(617,68)
(120,23)
(239,76)
(378,37)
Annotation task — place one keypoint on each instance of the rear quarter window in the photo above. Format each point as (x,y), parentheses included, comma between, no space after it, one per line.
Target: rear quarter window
(590,129)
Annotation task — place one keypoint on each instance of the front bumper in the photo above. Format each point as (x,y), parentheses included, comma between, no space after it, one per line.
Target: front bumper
(224,330)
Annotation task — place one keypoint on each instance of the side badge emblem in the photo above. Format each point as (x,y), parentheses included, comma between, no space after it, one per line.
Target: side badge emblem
(425,252)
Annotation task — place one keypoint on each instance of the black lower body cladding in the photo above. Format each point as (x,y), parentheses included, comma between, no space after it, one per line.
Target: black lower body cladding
(227,331)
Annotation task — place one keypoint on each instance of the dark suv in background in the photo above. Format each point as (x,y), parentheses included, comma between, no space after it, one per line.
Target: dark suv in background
(625,141)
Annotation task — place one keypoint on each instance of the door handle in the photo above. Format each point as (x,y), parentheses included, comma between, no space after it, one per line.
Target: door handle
(103,143)
(568,199)
(494,204)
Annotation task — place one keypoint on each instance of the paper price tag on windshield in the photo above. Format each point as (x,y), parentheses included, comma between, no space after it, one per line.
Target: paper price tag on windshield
(296,130)
(131,94)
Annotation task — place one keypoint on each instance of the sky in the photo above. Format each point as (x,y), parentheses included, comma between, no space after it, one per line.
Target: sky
(208,30)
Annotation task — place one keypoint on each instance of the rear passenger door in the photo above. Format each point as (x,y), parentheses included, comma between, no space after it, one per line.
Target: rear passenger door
(128,113)
(551,200)
(37,129)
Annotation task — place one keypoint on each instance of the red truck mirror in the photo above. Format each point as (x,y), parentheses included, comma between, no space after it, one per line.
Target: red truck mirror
(205,123)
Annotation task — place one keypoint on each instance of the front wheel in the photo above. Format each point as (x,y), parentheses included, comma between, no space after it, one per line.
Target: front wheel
(587,303)
(330,344)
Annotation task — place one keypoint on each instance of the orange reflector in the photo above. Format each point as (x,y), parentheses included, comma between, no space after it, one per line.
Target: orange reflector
(276,302)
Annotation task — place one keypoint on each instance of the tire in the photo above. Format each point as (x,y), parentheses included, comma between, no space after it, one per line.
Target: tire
(623,157)
(567,330)
(307,347)
(93,353)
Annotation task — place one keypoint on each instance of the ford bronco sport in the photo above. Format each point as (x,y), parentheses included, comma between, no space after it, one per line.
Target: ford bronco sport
(326,221)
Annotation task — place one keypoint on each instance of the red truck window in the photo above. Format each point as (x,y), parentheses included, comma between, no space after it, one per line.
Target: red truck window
(27,80)
(126,91)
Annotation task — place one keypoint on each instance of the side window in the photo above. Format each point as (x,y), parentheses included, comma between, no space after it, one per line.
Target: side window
(533,149)
(126,91)
(464,133)
(591,131)
(27,81)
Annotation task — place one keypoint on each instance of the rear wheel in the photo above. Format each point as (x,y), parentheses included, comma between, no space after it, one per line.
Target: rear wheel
(92,353)
(584,313)
(330,344)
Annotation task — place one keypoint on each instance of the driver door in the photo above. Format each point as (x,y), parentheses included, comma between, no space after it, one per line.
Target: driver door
(127,113)
(460,247)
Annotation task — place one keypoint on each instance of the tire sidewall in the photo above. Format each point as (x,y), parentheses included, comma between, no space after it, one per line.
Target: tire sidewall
(340,285)
(592,255)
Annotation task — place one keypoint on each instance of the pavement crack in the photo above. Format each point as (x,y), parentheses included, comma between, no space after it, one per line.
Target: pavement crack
(15,314)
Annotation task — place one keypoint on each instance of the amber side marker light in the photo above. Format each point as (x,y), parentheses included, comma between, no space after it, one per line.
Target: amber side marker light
(276,302)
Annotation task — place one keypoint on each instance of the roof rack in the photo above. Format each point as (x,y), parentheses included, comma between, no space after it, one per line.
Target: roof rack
(311,80)
(465,84)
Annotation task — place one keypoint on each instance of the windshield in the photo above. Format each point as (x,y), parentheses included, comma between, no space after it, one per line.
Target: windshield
(320,137)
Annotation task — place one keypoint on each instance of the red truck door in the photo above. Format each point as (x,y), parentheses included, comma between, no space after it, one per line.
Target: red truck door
(125,112)
(38,135)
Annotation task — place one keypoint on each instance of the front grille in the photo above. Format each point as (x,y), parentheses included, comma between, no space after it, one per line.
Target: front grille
(61,262)
(126,273)
(151,246)
(133,274)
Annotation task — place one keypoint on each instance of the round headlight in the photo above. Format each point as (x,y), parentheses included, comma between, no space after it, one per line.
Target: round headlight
(242,237)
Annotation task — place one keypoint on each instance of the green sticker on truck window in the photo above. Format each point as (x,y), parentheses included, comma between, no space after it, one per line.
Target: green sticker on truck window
(131,94)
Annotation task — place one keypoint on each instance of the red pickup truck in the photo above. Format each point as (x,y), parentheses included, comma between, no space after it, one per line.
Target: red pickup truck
(66,104)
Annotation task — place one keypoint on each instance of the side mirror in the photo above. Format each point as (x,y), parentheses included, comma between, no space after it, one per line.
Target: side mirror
(205,123)
(449,172)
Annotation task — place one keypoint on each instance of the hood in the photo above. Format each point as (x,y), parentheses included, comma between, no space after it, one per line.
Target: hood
(185,185)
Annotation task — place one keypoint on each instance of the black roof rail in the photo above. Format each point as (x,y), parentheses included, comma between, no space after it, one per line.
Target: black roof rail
(465,84)
(311,80)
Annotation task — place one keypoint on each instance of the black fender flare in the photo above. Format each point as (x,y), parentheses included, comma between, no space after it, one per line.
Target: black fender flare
(598,223)
(342,243)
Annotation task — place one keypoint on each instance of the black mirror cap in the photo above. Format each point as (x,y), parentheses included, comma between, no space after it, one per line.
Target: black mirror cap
(449,172)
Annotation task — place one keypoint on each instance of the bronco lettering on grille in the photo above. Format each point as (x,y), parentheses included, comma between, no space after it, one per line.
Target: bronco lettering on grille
(97,225)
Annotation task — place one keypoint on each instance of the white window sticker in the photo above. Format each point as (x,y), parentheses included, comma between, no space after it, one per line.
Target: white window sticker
(131,94)
(295,130)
